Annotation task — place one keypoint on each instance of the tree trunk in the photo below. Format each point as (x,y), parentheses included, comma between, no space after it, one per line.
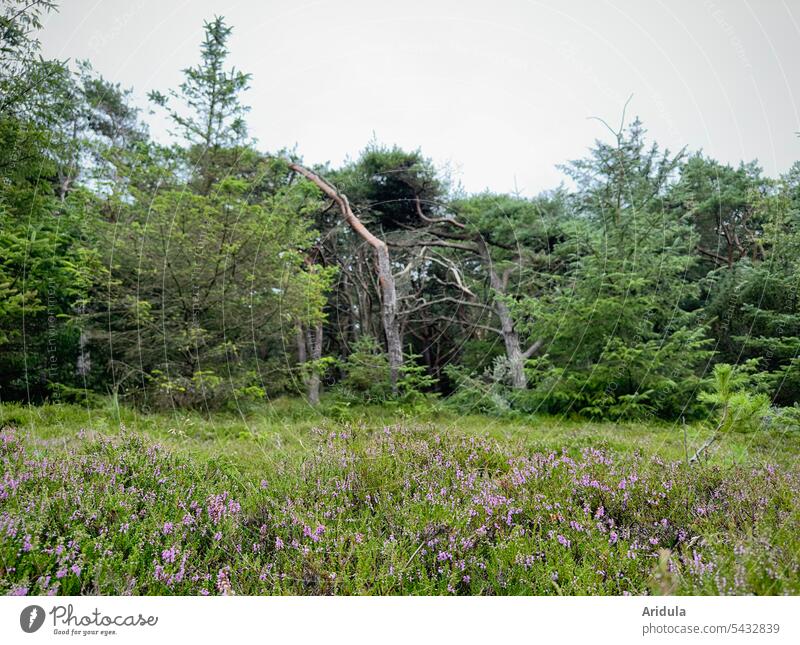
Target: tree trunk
(316,354)
(308,343)
(302,355)
(514,353)
(391,323)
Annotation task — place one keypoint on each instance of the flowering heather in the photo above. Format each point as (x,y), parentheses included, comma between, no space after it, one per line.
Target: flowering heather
(397,511)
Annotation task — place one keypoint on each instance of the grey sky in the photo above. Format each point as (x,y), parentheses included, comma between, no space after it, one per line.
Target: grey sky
(499,91)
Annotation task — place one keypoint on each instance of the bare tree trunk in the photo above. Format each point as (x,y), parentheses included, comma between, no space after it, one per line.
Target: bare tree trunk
(316,354)
(516,360)
(302,356)
(514,354)
(391,324)
(306,342)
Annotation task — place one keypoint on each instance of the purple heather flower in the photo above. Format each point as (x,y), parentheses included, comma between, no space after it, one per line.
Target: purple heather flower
(563,541)
(224,582)
(220,505)
(167,528)
(613,537)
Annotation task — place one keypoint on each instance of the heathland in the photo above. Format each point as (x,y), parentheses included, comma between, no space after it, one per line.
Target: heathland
(287,501)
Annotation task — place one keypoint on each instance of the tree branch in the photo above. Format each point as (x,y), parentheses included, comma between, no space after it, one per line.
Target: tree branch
(435,220)
(533,349)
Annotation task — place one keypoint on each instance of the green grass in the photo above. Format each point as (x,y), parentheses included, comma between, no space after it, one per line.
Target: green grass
(283,430)
(371,500)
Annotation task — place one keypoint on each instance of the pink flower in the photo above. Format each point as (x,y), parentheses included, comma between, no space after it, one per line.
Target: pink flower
(224,582)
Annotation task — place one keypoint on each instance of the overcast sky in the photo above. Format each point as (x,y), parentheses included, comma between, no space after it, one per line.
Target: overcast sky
(500,91)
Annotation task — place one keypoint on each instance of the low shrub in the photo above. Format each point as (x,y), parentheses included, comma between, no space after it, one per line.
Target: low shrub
(394,511)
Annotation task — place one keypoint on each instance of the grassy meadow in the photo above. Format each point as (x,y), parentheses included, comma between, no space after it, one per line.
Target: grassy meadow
(283,499)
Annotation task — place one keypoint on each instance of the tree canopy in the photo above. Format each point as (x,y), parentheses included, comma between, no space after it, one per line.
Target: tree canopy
(208,272)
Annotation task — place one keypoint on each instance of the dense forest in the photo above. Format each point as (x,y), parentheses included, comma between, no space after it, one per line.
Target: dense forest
(208,273)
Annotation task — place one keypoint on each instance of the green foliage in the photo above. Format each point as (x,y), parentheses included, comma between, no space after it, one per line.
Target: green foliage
(722,204)
(179,276)
(476,394)
(787,419)
(753,306)
(615,324)
(386,183)
(208,278)
(366,370)
(738,409)
(48,263)
(414,384)
(366,378)
(212,121)
(514,225)
(20,22)
(206,282)
(204,390)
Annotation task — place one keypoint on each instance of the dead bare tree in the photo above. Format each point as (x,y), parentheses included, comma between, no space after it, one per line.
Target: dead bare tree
(476,244)
(391,323)
(514,353)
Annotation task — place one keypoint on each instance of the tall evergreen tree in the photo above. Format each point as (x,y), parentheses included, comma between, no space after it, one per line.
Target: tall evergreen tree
(212,118)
